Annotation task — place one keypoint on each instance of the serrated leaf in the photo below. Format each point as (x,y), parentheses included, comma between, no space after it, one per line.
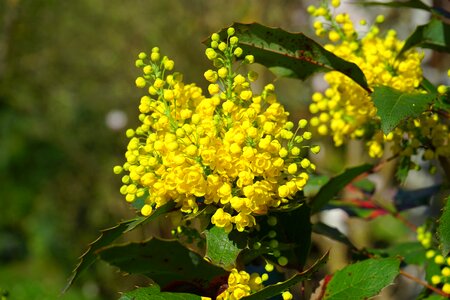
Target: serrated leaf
(363,279)
(154,293)
(162,261)
(289,54)
(434,35)
(276,289)
(444,228)
(393,106)
(108,236)
(223,248)
(335,185)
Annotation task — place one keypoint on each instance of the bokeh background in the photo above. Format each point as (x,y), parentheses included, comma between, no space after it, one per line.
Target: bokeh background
(67,95)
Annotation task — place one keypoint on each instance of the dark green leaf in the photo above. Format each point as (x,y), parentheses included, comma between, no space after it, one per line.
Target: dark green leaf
(108,236)
(332,233)
(363,279)
(335,185)
(294,228)
(162,261)
(444,228)
(223,248)
(153,293)
(410,3)
(289,54)
(276,289)
(434,35)
(393,106)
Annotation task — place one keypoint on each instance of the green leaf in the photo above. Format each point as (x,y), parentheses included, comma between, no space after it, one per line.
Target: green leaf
(412,253)
(434,35)
(153,293)
(108,236)
(223,248)
(332,233)
(365,185)
(335,185)
(363,279)
(276,289)
(294,228)
(162,261)
(314,183)
(393,106)
(444,228)
(410,3)
(289,54)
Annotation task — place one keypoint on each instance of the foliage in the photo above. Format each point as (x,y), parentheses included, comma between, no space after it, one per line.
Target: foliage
(240,176)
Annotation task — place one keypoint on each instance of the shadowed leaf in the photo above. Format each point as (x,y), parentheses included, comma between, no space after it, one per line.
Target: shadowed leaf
(434,35)
(154,293)
(276,289)
(108,236)
(162,261)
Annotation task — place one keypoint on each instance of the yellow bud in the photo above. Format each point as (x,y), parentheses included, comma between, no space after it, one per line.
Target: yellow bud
(292,168)
(215,37)
(287,295)
(446,288)
(140,82)
(379,19)
(118,169)
(155,56)
(442,89)
(335,3)
(222,72)
(230,31)
(302,123)
(435,279)
(146,210)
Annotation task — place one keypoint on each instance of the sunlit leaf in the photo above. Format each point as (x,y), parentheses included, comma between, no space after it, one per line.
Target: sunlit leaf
(363,279)
(289,54)
(223,248)
(393,106)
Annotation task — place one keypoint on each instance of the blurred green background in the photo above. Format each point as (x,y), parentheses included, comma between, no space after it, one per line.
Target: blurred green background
(67,94)
(66,89)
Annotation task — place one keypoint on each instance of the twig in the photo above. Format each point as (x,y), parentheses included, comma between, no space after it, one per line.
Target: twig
(424,283)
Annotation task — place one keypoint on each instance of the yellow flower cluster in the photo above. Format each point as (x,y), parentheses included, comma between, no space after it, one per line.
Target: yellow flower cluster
(443,279)
(234,150)
(345,110)
(241,284)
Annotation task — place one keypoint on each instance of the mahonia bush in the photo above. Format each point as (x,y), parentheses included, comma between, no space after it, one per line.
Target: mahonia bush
(228,168)
(345,110)
(234,150)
